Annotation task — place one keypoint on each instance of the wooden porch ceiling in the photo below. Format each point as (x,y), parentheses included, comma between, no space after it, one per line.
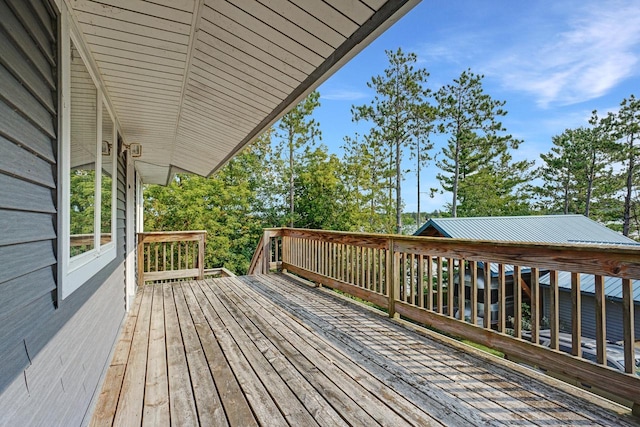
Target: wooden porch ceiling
(194,81)
(267,350)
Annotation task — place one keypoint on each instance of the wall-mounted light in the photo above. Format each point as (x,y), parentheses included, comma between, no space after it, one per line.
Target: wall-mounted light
(106,148)
(135,149)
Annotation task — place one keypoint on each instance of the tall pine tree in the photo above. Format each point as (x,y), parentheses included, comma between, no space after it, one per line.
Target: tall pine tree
(396,111)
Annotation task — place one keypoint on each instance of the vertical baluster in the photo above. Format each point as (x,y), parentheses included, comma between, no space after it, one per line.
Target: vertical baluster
(354,263)
(601,321)
(375,260)
(396,276)
(369,267)
(535,306)
(576,315)
(194,254)
(156,247)
(332,260)
(429,285)
(553,309)
(339,261)
(380,272)
(450,285)
(363,279)
(487,295)
(462,289)
(412,280)
(440,285)
(360,266)
(628,326)
(502,309)
(517,302)
(171,255)
(420,273)
(473,289)
(148,257)
(179,247)
(164,256)
(316,256)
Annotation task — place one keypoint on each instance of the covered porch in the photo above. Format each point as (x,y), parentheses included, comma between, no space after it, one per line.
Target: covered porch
(271,350)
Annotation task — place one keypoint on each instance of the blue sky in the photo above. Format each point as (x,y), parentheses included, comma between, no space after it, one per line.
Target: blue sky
(552,62)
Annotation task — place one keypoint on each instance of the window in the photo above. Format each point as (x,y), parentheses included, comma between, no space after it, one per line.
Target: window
(88,173)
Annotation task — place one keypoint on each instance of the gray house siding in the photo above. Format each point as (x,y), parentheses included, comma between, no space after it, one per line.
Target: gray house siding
(51,355)
(613,312)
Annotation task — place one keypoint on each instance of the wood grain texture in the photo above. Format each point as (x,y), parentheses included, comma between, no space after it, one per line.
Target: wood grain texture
(274,351)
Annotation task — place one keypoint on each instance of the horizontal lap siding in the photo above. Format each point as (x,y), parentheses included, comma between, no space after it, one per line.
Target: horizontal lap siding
(51,358)
(27,182)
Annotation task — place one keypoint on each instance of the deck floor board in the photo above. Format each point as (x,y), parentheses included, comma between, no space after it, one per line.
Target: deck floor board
(270,351)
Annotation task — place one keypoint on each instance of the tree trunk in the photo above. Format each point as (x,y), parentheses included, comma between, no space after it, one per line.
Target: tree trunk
(590,179)
(456,178)
(418,186)
(627,198)
(291,184)
(398,195)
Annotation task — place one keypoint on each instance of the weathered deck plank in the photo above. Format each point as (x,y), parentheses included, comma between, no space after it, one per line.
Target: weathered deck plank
(131,399)
(235,404)
(181,401)
(156,396)
(340,381)
(108,399)
(266,350)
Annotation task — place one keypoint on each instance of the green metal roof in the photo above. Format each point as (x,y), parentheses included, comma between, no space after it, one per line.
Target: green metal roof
(535,229)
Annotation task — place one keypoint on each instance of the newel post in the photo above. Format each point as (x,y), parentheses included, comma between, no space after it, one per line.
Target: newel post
(201,240)
(140,259)
(266,251)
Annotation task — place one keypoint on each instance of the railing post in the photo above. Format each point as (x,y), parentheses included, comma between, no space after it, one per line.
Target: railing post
(393,266)
(201,239)
(266,251)
(140,259)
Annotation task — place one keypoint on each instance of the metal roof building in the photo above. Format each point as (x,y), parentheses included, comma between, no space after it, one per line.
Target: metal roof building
(537,229)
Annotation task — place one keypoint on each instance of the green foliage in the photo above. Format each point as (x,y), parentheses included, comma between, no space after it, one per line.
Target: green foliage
(593,170)
(296,130)
(82,201)
(476,164)
(398,113)
(226,205)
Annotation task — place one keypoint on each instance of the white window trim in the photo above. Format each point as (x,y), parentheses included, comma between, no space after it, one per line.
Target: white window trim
(78,270)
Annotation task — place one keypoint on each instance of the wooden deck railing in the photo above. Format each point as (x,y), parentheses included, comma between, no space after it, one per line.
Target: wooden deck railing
(268,253)
(418,278)
(170,255)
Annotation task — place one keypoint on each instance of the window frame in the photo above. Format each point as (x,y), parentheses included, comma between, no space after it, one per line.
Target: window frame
(77,270)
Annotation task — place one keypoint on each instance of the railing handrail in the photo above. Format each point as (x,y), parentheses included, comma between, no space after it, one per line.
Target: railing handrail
(385,269)
(606,260)
(255,266)
(163,237)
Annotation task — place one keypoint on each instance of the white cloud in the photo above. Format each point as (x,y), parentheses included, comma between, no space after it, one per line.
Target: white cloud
(599,49)
(343,95)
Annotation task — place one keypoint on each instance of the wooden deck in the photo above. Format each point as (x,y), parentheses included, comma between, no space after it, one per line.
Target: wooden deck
(269,351)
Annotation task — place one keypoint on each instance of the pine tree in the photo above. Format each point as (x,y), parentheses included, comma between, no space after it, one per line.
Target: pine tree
(470,117)
(296,130)
(396,111)
(626,128)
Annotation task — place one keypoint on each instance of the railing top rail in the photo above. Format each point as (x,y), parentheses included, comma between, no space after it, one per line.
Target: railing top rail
(606,260)
(162,233)
(171,236)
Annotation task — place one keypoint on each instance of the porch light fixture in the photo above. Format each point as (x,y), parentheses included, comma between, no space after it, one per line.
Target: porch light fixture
(135,149)
(106,148)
